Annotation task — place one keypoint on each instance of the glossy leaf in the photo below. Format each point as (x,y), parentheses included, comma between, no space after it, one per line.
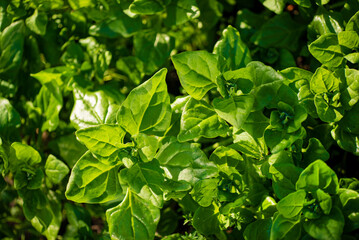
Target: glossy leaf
(234,54)
(146,180)
(92,109)
(318,176)
(326,49)
(327,226)
(55,169)
(92,181)
(292,204)
(184,161)
(234,110)
(200,120)
(197,72)
(205,191)
(147,108)
(133,218)
(104,140)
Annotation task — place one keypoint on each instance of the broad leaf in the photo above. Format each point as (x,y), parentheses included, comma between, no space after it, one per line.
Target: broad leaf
(292,204)
(184,161)
(93,182)
(197,72)
(92,109)
(104,140)
(133,218)
(181,11)
(147,108)
(234,54)
(55,169)
(205,220)
(234,110)
(146,180)
(283,228)
(200,120)
(318,176)
(327,226)
(205,191)
(326,49)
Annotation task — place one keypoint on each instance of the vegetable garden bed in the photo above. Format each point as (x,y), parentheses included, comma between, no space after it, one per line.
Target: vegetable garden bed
(179,119)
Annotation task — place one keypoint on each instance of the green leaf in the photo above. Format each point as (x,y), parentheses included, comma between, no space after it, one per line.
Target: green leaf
(325,109)
(181,11)
(259,230)
(92,109)
(276,6)
(352,57)
(303,3)
(37,22)
(211,12)
(326,86)
(234,110)
(197,72)
(47,216)
(184,161)
(175,189)
(200,120)
(349,39)
(153,49)
(9,118)
(93,182)
(12,48)
(326,50)
(55,169)
(148,6)
(234,54)
(133,67)
(248,145)
(283,172)
(315,150)
(49,100)
(80,219)
(324,200)
(300,83)
(104,140)
(122,25)
(146,145)
(146,180)
(327,226)
(30,180)
(280,140)
(318,176)
(324,22)
(147,108)
(346,131)
(226,160)
(133,219)
(349,201)
(59,75)
(77,4)
(350,96)
(205,191)
(240,79)
(353,23)
(283,228)
(292,204)
(68,148)
(279,32)
(266,83)
(205,220)
(23,156)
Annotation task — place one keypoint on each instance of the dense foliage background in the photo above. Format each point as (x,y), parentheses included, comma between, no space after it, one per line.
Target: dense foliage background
(255,136)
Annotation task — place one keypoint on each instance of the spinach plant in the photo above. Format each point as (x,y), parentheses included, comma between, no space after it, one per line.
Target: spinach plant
(191,119)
